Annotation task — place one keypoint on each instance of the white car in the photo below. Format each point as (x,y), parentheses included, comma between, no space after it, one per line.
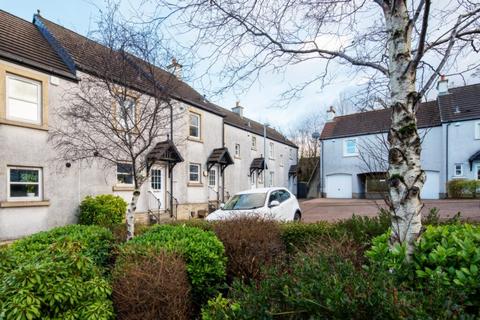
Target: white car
(266,203)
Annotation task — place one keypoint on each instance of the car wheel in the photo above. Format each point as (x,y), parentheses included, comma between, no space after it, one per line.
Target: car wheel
(297,217)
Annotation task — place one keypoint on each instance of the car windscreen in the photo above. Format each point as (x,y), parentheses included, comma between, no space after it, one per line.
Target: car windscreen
(246,201)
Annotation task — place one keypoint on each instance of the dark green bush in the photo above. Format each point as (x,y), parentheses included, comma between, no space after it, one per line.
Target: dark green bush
(363,229)
(202,251)
(322,284)
(463,188)
(446,254)
(298,236)
(57,275)
(103,210)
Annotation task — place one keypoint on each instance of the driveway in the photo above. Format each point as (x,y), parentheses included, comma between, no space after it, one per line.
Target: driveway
(335,209)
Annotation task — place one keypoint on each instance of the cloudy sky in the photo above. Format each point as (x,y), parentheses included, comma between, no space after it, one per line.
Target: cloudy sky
(259,101)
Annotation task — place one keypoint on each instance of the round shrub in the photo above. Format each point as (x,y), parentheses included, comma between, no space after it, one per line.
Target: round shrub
(57,274)
(152,286)
(204,255)
(102,210)
(250,245)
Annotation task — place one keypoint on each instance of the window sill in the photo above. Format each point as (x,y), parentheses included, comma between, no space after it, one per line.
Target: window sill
(350,155)
(19,204)
(237,157)
(43,127)
(195,184)
(123,188)
(199,140)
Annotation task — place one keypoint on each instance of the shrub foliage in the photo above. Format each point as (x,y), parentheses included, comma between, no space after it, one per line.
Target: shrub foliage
(463,188)
(103,210)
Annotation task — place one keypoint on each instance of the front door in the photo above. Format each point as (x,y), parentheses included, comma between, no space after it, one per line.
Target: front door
(212,184)
(157,188)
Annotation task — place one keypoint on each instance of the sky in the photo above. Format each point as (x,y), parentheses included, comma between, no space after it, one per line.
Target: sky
(259,101)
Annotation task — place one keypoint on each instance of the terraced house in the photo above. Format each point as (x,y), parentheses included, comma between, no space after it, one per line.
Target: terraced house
(355,147)
(206,155)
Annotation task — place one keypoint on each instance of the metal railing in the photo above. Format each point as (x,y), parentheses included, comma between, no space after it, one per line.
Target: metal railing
(154,215)
(173,211)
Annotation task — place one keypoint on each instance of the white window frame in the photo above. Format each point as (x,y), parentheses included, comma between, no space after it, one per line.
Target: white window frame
(214,172)
(254,143)
(39,98)
(477,130)
(40,184)
(455,170)
(198,126)
(271,178)
(123,174)
(133,119)
(290,154)
(199,166)
(271,150)
(345,149)
(237,150)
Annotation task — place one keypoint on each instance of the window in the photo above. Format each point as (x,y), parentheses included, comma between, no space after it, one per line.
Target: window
(124,173)
(271,150)
(194,173)
(281,160)
(477,175)
(291,154)
(260,178)
(156,179)
(254,142)
(458,171)
(350,147)
(126,113)
(24,99)
(477,130)
(194,125)
(237,150)
(212,178)
(24,183)
(270,182)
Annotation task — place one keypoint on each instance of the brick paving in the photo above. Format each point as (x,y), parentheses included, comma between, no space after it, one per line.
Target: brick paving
(334,209)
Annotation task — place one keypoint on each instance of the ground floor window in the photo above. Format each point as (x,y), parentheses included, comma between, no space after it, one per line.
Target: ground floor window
(24,183)
(458,172)
(124,173)
(194,172)
(271,180)
(477,175)
(376,183)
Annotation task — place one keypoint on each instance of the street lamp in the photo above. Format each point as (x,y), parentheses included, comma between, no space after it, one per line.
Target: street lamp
(316,136)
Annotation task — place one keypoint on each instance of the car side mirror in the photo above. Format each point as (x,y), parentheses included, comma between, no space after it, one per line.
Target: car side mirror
(222,205)
(274,203)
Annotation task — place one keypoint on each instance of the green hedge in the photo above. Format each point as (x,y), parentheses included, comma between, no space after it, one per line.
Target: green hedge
(103,210)
(57,274)
(463,188)
(202,251)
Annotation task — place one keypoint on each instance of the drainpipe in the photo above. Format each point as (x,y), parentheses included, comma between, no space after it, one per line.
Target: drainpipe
(320,168)
(170,168)
(446,159)
(264,155)
(222,172)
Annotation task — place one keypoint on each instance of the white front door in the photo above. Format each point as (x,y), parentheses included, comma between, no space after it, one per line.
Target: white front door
(157,188)
(253,181)
(212,184)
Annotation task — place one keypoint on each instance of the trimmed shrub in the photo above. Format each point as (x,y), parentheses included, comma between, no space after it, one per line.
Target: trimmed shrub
(152,286)
(202,251)
(324,285)
(363,229)
(463,188)
(103,210)
(57,275)
(194,223)
(298,236)
(250,245)
(119,231)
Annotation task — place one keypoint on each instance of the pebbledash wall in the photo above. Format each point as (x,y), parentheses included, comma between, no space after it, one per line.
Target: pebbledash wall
(64,186)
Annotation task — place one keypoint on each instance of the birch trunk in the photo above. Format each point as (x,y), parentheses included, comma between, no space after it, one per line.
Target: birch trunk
(405,175)
(132,207)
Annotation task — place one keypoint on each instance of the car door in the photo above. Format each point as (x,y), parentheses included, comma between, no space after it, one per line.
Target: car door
(274,212)
(286,204)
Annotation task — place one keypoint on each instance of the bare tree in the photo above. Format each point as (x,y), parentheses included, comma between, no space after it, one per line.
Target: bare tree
(385,39)
(119,111)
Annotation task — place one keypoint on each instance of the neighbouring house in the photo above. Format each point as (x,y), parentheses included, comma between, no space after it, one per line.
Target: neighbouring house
(354,147)
(213,152)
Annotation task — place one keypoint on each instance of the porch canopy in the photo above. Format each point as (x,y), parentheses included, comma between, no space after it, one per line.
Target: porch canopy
(164,151)
(219,156)
(257,165)
(293,171)
(473,158)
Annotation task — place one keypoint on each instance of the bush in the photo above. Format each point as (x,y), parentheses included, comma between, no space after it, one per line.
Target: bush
(324,285)
(250,244)
(363,229)
(298,236)
(57,275)
(103,210)
(446,254)
(202,251)
(152,286)
(463,188)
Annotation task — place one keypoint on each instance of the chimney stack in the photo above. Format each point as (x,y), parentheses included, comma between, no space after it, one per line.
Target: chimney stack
(442,85)
(175,68)
(331,114)
(238,109)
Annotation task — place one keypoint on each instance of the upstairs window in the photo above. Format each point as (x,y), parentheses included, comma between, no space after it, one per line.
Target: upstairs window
(291,154)
(124,173)
(350,147)
(194,125)
(254,142)
(127,113)
(272,150)
(23,99)
(24,184)
(237,150)
(458,170)
(281,160)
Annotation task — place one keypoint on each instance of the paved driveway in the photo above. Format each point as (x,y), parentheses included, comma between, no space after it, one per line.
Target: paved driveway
(334,209)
